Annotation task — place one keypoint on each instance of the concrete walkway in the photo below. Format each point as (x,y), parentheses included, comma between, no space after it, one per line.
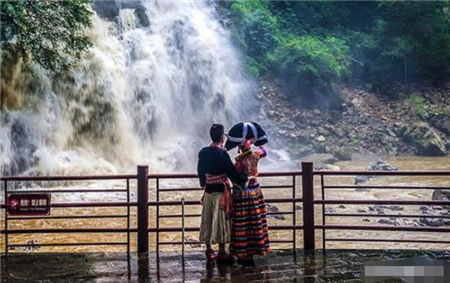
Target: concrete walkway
(278,266)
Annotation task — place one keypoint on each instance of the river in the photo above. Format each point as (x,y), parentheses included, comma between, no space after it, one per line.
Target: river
(403,163)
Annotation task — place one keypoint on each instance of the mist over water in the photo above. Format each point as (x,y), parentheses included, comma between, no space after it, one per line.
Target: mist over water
(144,94)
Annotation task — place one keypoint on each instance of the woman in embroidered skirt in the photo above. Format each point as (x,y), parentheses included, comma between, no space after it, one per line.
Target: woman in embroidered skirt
(249,232)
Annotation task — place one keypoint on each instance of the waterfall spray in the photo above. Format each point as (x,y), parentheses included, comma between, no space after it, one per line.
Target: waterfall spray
(147,92)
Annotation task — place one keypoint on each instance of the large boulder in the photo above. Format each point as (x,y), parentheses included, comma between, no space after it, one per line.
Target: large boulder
(441,122)
(320,160)
(379,165)
(427,141)
(342,153)
(441,195)
(110,9)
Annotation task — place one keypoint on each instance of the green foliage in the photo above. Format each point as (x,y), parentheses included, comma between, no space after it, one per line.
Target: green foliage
(50,33)
(377,43)
(310,61)
(257,31)
(419,104)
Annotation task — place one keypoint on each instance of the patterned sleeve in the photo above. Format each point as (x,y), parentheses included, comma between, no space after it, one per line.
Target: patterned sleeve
(261,152)
(239,166)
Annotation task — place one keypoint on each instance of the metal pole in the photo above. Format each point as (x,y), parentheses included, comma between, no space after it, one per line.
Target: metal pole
(6,217)
(182,228)
(294,216)
(128,218)
(157,217)
(142,178)
(322,185)
(308,206)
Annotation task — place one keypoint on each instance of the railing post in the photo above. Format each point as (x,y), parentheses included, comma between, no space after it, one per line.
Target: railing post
(309,239)
(142,201)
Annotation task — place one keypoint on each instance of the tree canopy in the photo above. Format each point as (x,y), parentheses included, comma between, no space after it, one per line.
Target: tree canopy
(50,33)
(320,43)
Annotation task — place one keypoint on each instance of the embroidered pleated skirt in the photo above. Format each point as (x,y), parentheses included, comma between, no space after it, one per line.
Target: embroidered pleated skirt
(249,232)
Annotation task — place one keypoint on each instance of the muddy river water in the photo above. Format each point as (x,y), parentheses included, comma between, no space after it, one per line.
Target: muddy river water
(403,163)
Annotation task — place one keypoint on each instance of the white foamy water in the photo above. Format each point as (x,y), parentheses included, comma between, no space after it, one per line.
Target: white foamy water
(144,94)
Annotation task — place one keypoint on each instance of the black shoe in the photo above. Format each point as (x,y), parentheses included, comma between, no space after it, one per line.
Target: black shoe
(246,261)
(225,258)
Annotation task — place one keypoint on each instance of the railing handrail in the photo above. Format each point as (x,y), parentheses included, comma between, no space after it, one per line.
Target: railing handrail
(69,178)
(194,175)
(383,173)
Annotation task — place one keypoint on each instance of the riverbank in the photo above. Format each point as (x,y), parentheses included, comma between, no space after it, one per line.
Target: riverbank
(415,122)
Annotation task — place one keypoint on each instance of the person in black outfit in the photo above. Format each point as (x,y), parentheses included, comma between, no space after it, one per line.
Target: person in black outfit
(215,168)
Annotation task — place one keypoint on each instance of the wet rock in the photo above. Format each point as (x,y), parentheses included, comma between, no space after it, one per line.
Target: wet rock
(339,132)
(330,210)
(360,180)
(332,167)
(425,209)
(323,131)
(396,207)
(441,122)
(432,222)
(427,140)
(320,160)
(290,125)
(391,133)
(379,208)
(276,216)
(274,209)
(188,239)
(110,10)
(442,195)
(387,221)
(379,165)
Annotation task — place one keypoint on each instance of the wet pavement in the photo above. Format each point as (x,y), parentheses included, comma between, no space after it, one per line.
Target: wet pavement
(278,266)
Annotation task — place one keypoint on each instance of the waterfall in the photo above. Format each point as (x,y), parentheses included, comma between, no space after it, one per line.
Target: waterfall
(147,92)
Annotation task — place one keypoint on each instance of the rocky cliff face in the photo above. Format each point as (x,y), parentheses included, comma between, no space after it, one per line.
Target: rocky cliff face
(363,123)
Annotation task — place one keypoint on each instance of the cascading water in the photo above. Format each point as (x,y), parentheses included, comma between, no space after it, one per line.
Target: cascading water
(147,92)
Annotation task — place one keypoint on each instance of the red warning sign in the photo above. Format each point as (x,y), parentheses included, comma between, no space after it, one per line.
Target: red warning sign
(29,204)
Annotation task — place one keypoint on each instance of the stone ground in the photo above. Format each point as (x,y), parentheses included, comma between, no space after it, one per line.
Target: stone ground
(278,266)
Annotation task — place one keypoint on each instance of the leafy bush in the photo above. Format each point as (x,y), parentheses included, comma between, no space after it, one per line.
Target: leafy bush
(48,32)
(419,104)
(257,32)
(311,63)
(317,43)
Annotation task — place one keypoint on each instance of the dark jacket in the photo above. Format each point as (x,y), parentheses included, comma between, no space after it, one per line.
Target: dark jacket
(216,161)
